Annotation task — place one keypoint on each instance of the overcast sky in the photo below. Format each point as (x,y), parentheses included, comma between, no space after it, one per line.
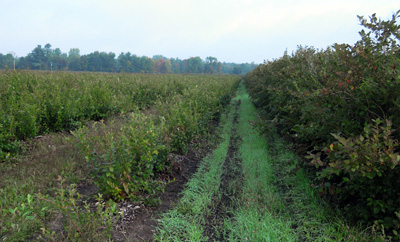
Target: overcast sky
(231,30)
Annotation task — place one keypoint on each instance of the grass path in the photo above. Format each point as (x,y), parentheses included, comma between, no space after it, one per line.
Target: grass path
(251,189)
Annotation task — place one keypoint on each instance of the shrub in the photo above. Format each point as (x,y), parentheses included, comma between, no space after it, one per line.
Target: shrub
(344,90)
(35,103)
(363,172)
(124,163)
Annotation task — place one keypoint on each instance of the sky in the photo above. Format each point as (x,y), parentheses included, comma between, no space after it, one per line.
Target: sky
(230,30)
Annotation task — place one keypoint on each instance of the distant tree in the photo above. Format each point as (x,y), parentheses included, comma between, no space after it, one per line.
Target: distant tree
(84,63)
(212,66)
(107,62)
(58,59)
(6,61)
(48,53)
(227,68)
(124,62)
(168,66)
(74,52)
(159,66)
(207,67)
(94,61)
(176,64)
(40,59)
(194,65)
(246,67)
(237,70)
(2,65)
(23,63)
(74,63)
(131,63)
(37,59)
(185,66)
(136,63)
(158,57)
(57,51)
(146,64)
(162,66)
(219,68)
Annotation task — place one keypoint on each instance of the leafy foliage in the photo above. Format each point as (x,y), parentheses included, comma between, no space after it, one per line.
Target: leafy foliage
(125,164)
(68,204)
(363,171)
(345,90)
(34,103)
(153,114)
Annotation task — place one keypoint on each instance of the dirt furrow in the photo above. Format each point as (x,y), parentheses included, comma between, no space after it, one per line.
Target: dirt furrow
(230,186)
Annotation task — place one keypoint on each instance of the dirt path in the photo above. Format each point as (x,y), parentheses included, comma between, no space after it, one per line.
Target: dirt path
(224,202)
(251,189)
(212,194)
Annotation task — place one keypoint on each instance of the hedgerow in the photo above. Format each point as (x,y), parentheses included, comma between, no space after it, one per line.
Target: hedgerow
(342,107)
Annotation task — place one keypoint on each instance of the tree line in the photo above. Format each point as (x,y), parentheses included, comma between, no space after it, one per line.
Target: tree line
(46,58)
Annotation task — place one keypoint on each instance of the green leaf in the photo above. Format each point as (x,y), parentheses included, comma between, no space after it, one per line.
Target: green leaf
(125,185)
(30,218)
(30,199)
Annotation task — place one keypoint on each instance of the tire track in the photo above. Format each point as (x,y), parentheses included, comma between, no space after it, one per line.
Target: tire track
(224,202)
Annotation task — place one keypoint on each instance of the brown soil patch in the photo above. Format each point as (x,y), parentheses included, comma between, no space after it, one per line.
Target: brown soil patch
(139,222)
(49,157)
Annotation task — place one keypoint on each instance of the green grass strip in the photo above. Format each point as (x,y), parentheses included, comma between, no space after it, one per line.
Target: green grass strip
(186,221)
(312,218)
(257,218)
(277,203)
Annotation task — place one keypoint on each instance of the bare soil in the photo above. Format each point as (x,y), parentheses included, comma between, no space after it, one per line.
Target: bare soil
(139,221)
(54,153)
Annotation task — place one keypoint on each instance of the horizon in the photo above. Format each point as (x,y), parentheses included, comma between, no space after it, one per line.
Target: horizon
(231,31)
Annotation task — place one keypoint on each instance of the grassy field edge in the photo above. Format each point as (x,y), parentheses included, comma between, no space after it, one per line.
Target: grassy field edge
(187,220)
(276,201)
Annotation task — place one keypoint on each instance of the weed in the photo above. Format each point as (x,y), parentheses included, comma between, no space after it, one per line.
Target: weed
(80,219)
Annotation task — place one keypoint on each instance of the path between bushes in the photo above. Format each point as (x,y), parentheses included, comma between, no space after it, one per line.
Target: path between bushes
(247,188)
(240,187)
(251,188)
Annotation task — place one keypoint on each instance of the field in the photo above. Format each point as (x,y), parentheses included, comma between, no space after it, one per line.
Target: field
(115,132)
(33,104)
(303,148)
(177,158)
